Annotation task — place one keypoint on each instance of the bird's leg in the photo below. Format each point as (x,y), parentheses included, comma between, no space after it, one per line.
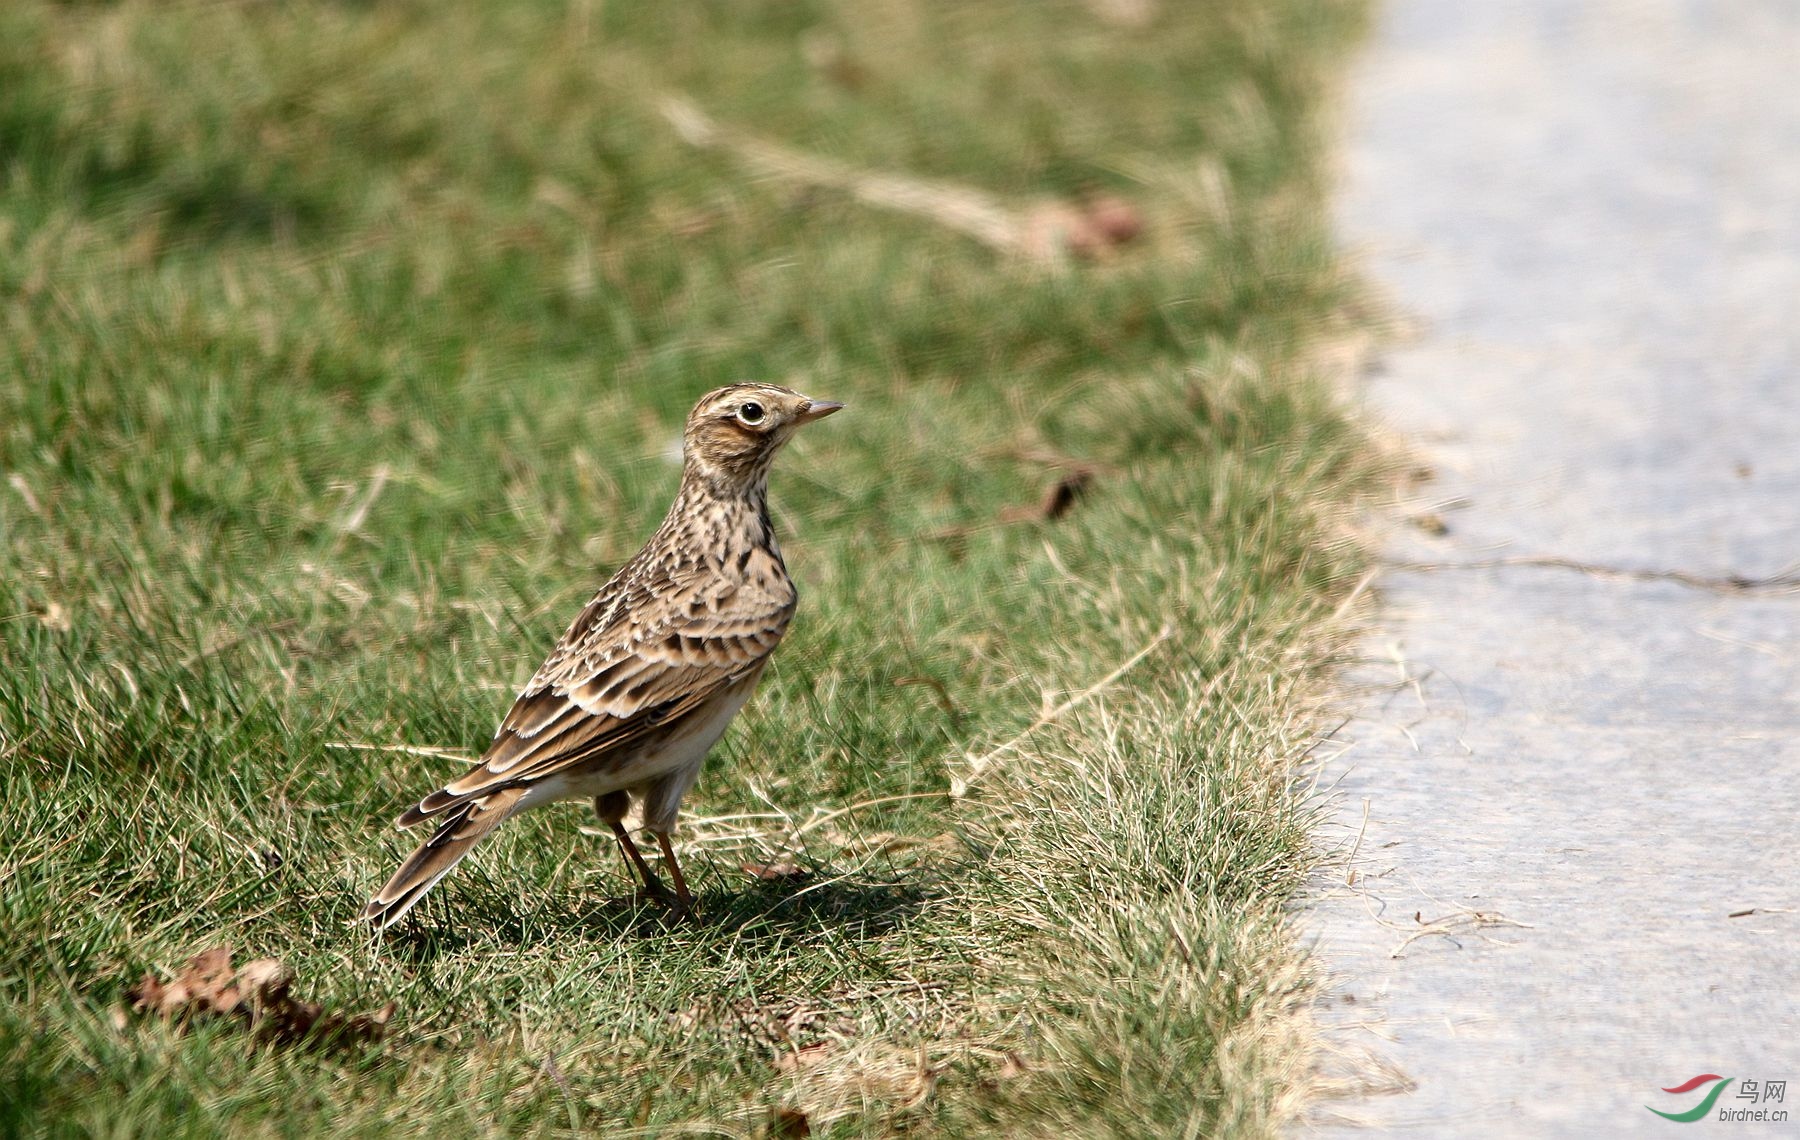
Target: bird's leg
(652,885)
(684,899)
(611,808)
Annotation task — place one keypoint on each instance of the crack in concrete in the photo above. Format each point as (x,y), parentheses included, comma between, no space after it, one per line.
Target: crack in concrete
(1787,582)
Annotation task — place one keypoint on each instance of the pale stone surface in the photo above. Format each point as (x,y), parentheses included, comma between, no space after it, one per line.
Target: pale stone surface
(1593,212)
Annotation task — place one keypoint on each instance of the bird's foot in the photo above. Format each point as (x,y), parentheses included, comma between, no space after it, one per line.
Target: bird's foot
(643,897)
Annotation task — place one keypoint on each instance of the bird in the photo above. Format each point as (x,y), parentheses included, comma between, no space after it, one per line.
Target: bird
(650,673)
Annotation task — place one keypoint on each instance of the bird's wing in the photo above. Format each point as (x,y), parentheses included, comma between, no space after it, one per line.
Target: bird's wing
(628,665)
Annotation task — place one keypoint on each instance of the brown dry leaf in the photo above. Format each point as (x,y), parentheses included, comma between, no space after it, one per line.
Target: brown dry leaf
(1090,230)
(789,1122)
(1057,499)
(1053,504)
(147,994)
(779,869)
(258,992)
(204,985)
(1063,493)
(1114,219)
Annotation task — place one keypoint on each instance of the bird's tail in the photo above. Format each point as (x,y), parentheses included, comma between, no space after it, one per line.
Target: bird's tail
(463,826)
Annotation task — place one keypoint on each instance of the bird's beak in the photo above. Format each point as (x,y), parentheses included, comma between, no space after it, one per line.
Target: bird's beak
(818,410)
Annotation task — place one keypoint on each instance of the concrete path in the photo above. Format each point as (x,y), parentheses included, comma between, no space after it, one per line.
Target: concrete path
(1592,210)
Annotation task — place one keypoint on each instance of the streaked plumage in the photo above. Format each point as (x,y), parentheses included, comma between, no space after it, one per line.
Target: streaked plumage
(649,675)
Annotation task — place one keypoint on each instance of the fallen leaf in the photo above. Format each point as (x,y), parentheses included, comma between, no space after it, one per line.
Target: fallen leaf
(259,992)
(1057,498)
(1063,493)
(204,985)
(780,869)
(790,1122)
(1115,219)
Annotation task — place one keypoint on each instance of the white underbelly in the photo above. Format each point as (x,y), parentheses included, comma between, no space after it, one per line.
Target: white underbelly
(686,748)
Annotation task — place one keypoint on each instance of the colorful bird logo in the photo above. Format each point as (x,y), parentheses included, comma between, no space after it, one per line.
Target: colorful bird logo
(1701,1109)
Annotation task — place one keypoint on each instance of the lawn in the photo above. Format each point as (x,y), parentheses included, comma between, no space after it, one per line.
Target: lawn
(344,349)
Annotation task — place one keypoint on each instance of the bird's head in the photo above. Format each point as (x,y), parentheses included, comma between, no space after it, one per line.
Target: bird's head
(734,431)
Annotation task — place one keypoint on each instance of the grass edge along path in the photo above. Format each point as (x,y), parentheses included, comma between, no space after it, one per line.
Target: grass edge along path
(342,344)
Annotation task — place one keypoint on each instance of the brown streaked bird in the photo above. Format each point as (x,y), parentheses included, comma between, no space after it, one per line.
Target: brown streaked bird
(644,682)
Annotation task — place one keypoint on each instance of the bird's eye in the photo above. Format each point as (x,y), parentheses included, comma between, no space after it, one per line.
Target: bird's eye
(751,413)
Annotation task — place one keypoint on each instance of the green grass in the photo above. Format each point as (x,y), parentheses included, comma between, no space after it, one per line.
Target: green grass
(343,347)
